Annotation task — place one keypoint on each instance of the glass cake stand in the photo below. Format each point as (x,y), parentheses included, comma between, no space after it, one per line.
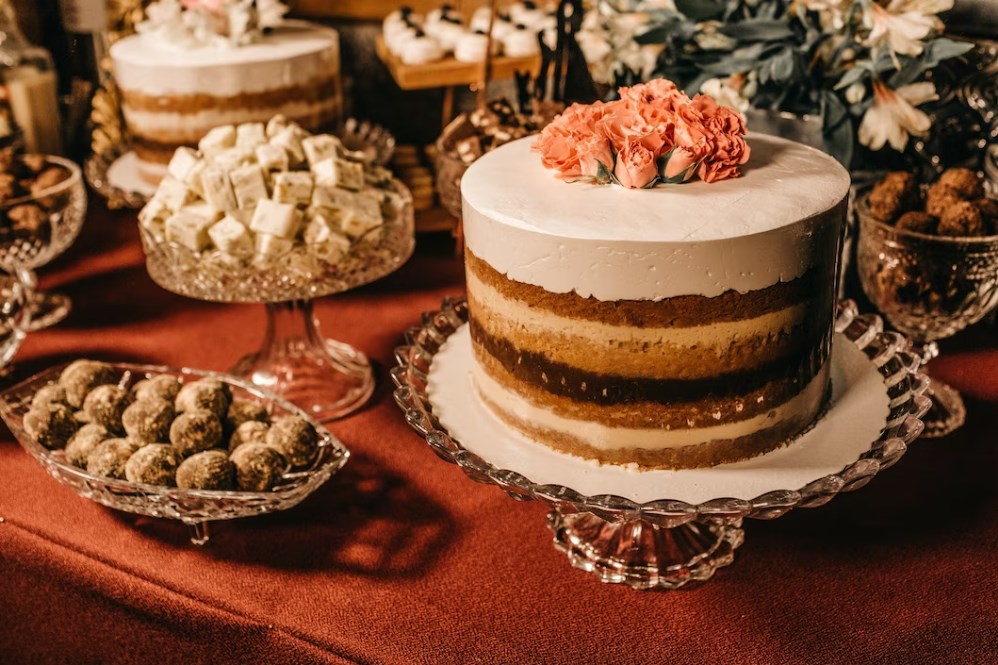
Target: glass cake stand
(327,378)
(195,508)
(613,521)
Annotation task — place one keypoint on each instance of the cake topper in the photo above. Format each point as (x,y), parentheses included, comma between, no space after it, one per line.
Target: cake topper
(212,23)
(653,134)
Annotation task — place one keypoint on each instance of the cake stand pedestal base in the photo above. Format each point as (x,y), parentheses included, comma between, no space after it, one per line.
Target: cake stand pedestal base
(947,413)
(325,378)
(644,555)
(48,309)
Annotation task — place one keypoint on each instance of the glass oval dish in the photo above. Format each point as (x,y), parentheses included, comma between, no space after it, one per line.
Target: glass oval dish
(192,507)
(665,543)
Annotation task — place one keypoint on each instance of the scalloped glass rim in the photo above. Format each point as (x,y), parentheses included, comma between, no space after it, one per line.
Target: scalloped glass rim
(75,179)
(889,351)
(295,484)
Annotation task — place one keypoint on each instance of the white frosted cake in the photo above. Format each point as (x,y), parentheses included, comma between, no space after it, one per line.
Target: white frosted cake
(674,326)
(175,87)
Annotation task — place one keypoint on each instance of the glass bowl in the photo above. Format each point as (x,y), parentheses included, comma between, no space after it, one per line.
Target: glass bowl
(16,315)
(192,507)
(65,205)
(298,274)
(928,287)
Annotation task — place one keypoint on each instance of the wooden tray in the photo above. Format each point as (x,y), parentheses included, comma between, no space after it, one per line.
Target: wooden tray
(449,72)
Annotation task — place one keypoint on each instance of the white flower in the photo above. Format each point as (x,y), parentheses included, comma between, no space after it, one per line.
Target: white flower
(727,91)
(893,116)
(831,13)
(855,93)
(709,37)
(903,24)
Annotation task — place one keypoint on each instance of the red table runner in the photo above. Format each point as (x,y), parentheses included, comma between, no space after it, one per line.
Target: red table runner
(401,559)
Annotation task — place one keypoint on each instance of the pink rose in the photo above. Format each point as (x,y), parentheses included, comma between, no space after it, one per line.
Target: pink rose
(594,153)
(730,151)
(680,165)
(624,124)
(558,142)
(636,166)
(659,92)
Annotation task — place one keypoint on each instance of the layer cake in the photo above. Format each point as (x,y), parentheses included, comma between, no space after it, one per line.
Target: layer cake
(671,327)
(171,95)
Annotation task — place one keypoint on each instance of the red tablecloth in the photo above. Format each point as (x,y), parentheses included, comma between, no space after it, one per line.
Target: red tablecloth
(401,559)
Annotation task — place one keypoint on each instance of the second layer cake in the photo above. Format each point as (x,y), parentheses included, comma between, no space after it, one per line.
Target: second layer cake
(674,327)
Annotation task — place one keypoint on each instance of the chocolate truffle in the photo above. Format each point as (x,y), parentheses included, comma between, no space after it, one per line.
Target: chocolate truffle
(204,394)
(295,438)
(989,212)
(964,181)
(895,194)
(919,222)
(82,376)
(149,420)
(194,431)
(51,424)
(939,198)
(252,431)
(83,443)
(108,458)
(258,467)
(153,464)
(244,410)
(164,387)
(104,406)
(210,470)
(960,220)
(53,392)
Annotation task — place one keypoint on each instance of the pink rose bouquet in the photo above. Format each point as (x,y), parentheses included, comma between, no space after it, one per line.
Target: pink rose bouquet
(653,134)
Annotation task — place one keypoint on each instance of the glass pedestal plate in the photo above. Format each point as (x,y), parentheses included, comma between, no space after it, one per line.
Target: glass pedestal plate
(326,378)
(613,521)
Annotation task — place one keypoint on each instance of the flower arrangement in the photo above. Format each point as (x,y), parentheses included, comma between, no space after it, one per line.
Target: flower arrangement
(653,134)
(217,23)
(858,64)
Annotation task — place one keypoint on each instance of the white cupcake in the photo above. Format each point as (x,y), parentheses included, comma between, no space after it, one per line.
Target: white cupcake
(521,43)
(421,50)
(526,13)
(399,39)
(449,31)
(471,47)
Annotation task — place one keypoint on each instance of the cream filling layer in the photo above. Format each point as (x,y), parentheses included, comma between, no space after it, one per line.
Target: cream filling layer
(806,403)
(719,335)
(189,127)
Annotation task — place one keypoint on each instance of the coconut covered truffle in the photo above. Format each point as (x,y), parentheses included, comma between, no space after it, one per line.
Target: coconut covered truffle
(50,425)
(961,219)
(52,393)
(919,222)
(209,470)
(149,420)
(258,467)
(963,181)
(894,195)
(195,431)
(104,405)
(244,410)
(153,464)
(163,386)
(295,438)
(83,443)
(109,458)
(252,431)
(82,376)
(204,394)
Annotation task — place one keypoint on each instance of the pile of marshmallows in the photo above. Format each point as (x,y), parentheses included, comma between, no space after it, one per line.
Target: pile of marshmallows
(416,40)
(254,191)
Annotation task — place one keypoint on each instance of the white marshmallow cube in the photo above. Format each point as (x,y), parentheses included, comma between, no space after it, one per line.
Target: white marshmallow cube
(325,240)
(193,179)
(293,187)
(275,219)
(189,230)
(320,148)
(339,173)
(276,124)
(183,160)
(217,140)
(248,185)
(251,135)
(362,218)
(173,193)
(154,212)
(268,245)
(217,189)
(233,158)
(272,157)
(289,138)
(203,209)
(231,237)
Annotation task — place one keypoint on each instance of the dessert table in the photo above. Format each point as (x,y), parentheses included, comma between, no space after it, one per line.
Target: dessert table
(399,559)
